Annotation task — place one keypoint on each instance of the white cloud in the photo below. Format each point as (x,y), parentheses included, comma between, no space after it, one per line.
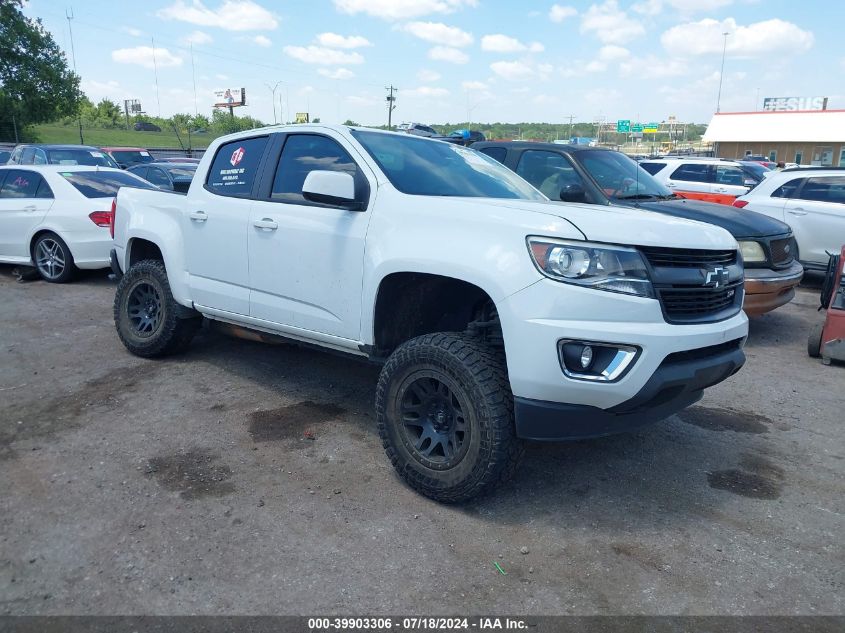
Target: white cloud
(474,85)
(426,91)
(447,54)
(558,13)
(96,90)
(596,66)
(364,100)
(339,73)
(521,70)
(438,33)
(499,43)
(231,15)
(651,67)
(147,57)
(613,53)
(401,9)
(610,24)
(132,31)
(691,6)
(222,77)
(262,40)
(428,76)
(755,40)
(323,56)
(648,7)
(333,40)
(197,37)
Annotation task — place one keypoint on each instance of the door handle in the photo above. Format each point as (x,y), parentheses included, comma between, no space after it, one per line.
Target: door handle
(266,224)
(198,216)
(670,184)
(797,211)
(721,190)
(29,208)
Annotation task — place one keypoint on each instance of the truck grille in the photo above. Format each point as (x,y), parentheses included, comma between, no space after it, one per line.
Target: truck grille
(679,277)
(687,258)
(783,251)
(689,304)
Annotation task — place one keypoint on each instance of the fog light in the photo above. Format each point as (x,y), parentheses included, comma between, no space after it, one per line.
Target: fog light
(586,356)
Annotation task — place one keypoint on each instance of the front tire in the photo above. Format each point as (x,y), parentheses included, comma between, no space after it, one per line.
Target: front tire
(445,416)
(53,259)
(147,316)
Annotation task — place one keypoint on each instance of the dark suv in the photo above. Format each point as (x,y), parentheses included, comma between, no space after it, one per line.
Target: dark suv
(593,175)
(61,155)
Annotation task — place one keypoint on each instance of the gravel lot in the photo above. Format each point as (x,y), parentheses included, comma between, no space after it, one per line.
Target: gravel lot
(244,478)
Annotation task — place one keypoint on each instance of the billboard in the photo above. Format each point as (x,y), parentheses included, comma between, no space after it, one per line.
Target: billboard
(302,117)
(230,98)
(792,104)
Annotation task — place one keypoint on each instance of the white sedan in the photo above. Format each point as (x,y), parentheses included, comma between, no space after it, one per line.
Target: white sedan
(56,217)
(811,200)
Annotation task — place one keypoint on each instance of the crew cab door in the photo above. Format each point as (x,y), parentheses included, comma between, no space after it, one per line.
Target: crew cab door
(25,198)
(729,182)
(691,180)
(306,259)
(216,217)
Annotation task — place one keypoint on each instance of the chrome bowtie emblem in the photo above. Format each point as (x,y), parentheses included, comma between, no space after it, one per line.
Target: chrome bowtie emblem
(716,277)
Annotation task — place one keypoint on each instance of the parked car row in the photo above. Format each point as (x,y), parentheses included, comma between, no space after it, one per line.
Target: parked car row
(458,137)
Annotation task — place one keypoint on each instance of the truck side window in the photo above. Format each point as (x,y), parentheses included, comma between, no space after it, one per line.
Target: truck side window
(498,153)
(830,189)
(233,170)
(302,154)
(548,171)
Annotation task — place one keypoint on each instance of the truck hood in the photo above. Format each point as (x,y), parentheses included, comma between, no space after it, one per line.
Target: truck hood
(739,223)
(628,225)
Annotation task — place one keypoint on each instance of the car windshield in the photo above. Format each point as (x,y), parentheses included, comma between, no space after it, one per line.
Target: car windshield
(186,171)
(103,184)
(93,158)
(756,170)
(421,167)
(620,177)
(132,156)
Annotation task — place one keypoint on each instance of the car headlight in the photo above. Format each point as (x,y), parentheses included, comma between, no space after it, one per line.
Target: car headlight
(752,252)
(599,266)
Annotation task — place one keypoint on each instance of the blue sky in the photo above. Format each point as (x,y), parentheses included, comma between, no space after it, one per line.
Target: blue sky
(453,59)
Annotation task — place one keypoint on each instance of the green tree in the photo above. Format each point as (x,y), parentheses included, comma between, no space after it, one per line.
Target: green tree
(36,84)
(351,123)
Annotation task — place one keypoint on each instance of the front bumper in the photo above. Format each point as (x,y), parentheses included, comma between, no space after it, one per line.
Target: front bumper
(679,381)
(767,289)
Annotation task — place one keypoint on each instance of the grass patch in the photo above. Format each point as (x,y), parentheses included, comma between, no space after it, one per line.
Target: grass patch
(105,138)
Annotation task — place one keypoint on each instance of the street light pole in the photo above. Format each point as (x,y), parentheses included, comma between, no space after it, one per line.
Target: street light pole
(722,72)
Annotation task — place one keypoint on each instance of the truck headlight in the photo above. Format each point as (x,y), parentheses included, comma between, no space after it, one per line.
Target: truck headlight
(599,266)
(752,252)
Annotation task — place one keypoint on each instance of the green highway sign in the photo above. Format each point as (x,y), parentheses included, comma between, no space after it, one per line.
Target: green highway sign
(650,127)
(623,125)
(637,127)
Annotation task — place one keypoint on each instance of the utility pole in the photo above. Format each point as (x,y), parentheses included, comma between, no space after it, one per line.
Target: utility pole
(722,72)
(390,105)
(571,117)
(69,16)
(273,90)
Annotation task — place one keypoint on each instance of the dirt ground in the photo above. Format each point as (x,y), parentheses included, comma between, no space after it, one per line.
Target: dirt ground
(243,478)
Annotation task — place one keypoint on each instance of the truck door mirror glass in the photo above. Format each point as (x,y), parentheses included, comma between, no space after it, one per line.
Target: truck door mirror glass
(573,192)
(330,187)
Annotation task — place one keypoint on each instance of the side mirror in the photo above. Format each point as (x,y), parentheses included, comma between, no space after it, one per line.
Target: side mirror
(331,187)
(573,193)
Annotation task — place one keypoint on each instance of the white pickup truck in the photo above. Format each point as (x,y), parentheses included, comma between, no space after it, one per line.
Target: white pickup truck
(498,316)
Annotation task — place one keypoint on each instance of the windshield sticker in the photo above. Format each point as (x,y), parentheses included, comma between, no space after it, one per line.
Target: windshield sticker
(237,156)
(96,154)
(21,182)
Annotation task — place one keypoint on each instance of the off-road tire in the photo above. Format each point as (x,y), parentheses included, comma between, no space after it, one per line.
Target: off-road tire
(52,273)
(814,341)
(172,332)
(479,373)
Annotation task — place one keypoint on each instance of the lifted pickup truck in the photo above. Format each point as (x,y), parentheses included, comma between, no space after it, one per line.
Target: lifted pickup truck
(497,316)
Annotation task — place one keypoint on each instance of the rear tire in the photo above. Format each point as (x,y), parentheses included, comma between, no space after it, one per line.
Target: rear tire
(814,341)
(445,416)
(53,259)
(147,316)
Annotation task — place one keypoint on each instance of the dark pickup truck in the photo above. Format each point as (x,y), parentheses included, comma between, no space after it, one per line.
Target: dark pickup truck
(595,175)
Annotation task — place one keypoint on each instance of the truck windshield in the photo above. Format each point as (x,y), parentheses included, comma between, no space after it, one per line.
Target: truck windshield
(620,177)
(72,156)
(422,167)
(103,184)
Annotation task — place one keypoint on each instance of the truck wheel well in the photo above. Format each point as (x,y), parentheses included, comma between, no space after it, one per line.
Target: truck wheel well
(140,250)
(412,304)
